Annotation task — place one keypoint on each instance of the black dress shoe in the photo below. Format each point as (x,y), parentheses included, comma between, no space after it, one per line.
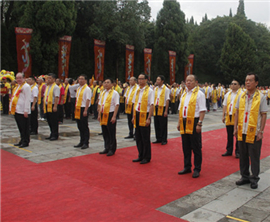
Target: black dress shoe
(103,152)
(184,171)
(163,143)
(100,134)
(196,174)
(242,182)
(137,160)
(23,145)
(48,138)
(237,155)
(17,144)
(78,145)
(110,153)
(144,161)
(84,146)
(226,154)
(53,138)
(33,133)
(156,141)
(128,137)
(254,185)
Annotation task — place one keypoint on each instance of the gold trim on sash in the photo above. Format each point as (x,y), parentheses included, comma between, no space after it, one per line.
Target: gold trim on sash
(78,104)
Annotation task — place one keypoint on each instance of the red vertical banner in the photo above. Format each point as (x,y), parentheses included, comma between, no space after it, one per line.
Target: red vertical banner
(129,61)
(172,57)
(189,66)
(99,48)
(63,56)
(23,38)
(147,62)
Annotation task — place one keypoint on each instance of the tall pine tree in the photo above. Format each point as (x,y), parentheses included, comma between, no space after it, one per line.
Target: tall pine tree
(241,9)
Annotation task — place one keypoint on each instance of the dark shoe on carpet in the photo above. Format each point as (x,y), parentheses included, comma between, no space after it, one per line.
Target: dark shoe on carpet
(100,134)
(184,171)
(53,138)
(23,145)
(78,145)
(84,146)
(48,138)
(226,154)
(144,161)
(17,144)
(163,143)
(33,133)
(110,153)
(128,137)
(237,155)
(156,141)
(196,174)
(254,185)
(242,182)
(137,160)
(103,152)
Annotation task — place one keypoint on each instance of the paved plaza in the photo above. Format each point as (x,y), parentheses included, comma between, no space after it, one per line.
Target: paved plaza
(219,201)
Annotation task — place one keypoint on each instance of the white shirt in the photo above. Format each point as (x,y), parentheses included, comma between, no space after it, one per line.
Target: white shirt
(23,104)
(114,101)
(221,90)
(208,92)
(200,103)
(233,95)
(56,93)
(87,94)
(151,98)
(167,94)
(72,90)
(131,89)
(34,93)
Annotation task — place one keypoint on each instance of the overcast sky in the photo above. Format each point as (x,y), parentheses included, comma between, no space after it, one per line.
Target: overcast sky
(256,10)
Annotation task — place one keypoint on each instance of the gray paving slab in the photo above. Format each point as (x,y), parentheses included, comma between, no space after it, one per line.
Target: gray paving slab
(202,215)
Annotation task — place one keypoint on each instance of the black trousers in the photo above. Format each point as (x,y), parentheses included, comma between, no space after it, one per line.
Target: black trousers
(192,142)
(82,125)
(208,104)
(230,139)
(34,119)
(67,107)
(268,101)
(109,134)
(95,106)
(161,126)
(130,124)
(143,143)
(174,107)
(52,119)
(23,126)
(41,108)
(250,152)
(60,113)
(5,103)
(72,101)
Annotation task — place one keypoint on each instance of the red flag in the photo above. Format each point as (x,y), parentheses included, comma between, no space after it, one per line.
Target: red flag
(189,66)
(63,56)
(129,61)
(172,57)
(23,38)
(147,62)
(99,48)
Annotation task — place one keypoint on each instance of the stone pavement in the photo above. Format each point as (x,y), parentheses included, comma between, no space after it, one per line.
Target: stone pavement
(220,201)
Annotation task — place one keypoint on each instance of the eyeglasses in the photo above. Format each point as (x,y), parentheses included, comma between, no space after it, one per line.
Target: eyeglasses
(234,83)
(141,78)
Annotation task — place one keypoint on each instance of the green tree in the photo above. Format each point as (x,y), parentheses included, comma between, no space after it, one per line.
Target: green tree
(238,54)
(241,9)
(230,13)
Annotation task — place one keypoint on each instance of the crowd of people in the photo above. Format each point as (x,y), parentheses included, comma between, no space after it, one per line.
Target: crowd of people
(244,110)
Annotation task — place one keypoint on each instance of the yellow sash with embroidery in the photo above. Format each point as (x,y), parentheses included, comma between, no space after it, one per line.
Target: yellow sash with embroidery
(219,90)
(174,95)
(50,99)
(66,92)
(253,117)
(143,107)
(94,95)
(39,92)
(228,122)
(161,101)
(15,99)
(190,113)
(129,101)
(79,102)
(214,96)
(106,108)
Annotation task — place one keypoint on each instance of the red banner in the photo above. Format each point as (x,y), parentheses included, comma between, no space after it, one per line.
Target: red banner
(63,56)
(172,56)
(189,66)
(129,61)
(23,38)
(147,62)
(99,48)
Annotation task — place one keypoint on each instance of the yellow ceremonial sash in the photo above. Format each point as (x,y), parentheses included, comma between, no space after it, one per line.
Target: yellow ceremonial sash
(253,117)
(39,92)
(143,107)
(161,101)
(16,98)
(106,108)
(79,102)
(206,89)
(94,95)
(269,93)
(32,87)
(190,113)
(66,92)
(174,94)
(228,122)
(129,101)
(214,96)
(219,89)
(50,99)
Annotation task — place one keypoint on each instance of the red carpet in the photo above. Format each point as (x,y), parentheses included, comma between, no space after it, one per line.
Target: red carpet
(100,188)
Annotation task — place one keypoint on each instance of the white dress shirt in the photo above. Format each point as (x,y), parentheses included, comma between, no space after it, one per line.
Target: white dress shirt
(209,91)
(56,93)
(233,95)
(87,94)
(72,90)
(167,94)
(129,93)
(24,103)
(151,98)
(114,101)
(34,93)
